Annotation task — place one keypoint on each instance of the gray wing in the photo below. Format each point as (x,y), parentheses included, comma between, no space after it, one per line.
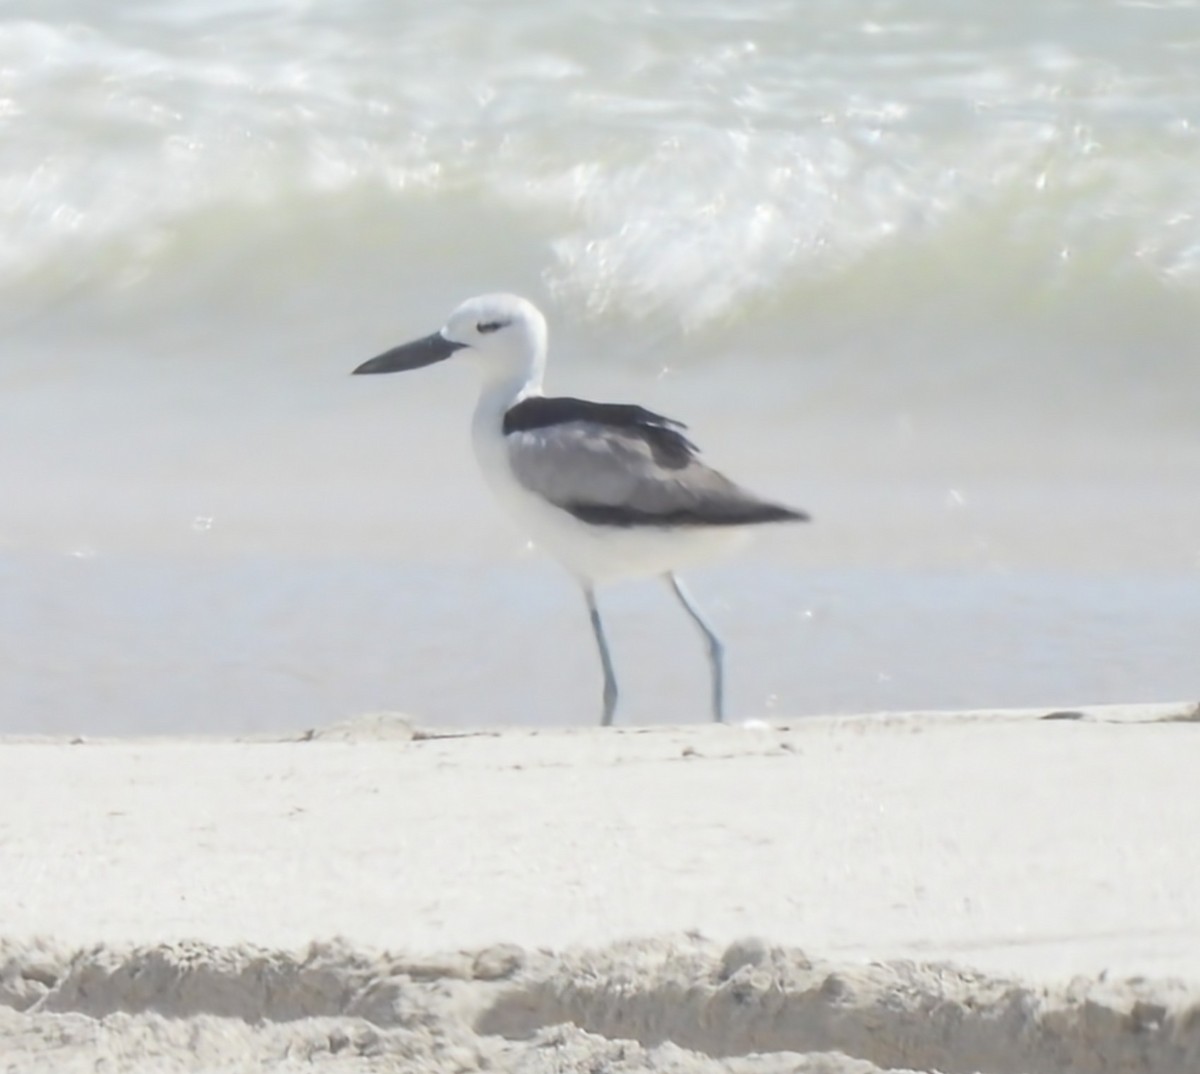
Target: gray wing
(621,476)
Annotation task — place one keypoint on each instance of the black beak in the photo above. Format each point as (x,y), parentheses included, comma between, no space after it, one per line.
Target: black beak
(412,355)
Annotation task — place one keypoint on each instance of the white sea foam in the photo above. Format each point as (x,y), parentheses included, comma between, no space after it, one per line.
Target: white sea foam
(639,160)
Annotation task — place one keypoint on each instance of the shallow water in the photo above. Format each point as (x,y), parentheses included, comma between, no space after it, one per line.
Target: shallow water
(929,270)
(263,644)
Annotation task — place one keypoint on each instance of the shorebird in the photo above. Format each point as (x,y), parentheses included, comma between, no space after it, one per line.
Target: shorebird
(611,490)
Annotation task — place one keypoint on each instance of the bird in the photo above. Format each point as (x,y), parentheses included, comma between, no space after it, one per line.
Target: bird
(611,490)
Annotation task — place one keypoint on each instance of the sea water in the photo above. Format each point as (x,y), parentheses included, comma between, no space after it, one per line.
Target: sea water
(929,270)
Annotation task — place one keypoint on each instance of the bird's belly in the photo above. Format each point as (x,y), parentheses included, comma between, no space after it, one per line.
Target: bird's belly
(600,553)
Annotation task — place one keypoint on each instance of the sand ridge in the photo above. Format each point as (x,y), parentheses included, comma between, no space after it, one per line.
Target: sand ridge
(682,1003)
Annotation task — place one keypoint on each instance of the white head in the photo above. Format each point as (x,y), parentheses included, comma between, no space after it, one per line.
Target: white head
(504,336)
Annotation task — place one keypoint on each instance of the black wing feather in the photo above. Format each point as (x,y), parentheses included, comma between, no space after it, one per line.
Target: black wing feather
(661,434)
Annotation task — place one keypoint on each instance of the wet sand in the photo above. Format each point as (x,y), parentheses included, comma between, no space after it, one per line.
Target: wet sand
(955,892)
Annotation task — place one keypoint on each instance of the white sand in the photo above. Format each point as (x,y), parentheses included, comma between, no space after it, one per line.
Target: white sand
(178,904)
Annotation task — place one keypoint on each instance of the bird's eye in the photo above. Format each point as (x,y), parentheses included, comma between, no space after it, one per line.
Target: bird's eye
(484,327)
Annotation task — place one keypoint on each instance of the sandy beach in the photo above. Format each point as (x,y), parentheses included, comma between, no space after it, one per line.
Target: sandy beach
(994,892)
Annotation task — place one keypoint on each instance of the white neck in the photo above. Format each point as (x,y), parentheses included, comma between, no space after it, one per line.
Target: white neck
(487,427)
(500,390)
(509,378)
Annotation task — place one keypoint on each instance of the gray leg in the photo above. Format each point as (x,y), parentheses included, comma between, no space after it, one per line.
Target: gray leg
(610,680)
(716,651)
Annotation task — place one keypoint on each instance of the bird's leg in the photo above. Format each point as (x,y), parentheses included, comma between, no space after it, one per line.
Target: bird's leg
(610,680)
(716,651)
